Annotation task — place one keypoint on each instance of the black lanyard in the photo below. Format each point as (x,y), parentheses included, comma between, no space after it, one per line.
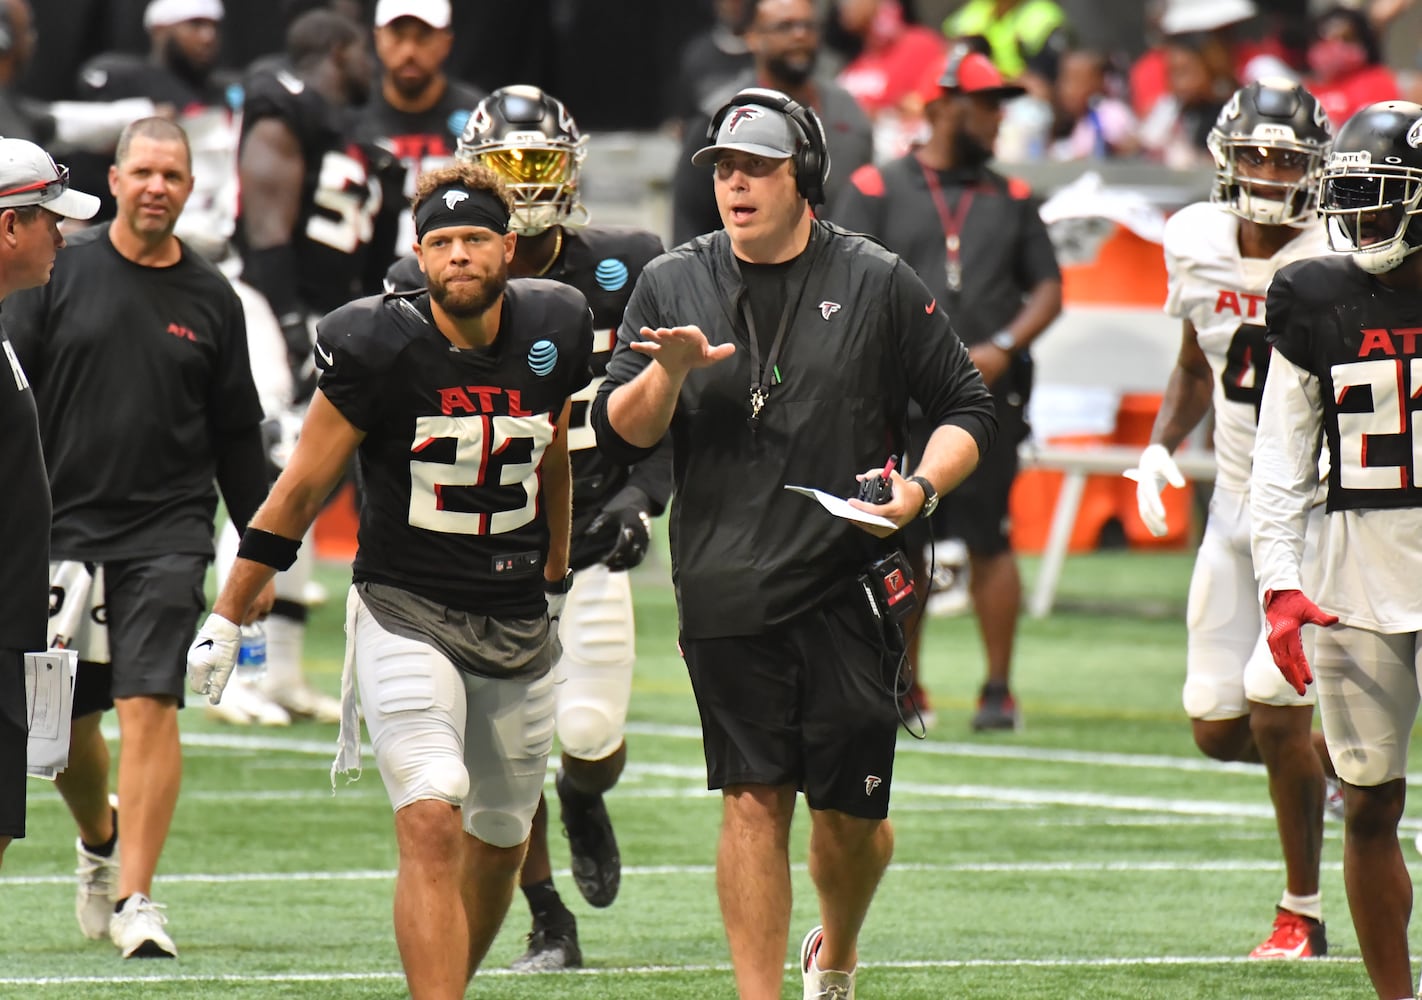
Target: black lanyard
(952,223)
(760,383)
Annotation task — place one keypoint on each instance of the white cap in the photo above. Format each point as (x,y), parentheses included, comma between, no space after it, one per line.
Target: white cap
(161,13)
(435,13)
(1183,17)
(29,176)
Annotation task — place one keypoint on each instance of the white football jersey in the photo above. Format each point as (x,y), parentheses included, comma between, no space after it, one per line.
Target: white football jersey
(1222,295)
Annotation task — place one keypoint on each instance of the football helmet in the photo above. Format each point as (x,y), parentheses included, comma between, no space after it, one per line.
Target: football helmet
(1269,145)
(1372,186)
(529,139)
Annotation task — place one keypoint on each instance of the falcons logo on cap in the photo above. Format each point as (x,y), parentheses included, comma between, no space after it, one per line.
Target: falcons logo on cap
(452,198)
(742,114)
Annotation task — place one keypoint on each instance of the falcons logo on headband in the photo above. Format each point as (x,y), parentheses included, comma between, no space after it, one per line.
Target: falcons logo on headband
(453,198)
(742,114)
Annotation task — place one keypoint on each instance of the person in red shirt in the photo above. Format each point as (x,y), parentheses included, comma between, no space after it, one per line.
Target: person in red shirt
(1345,61)
(894,55)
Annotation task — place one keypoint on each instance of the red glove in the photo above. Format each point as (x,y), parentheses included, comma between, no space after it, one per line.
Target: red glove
(1288,611)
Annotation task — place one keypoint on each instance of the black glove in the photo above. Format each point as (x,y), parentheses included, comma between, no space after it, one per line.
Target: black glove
(618,537)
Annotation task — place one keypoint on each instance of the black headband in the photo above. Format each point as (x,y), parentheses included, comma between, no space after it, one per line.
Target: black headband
(456,205)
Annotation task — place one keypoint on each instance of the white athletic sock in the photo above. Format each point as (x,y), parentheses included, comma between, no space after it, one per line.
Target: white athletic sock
(285,639)
(1304,906)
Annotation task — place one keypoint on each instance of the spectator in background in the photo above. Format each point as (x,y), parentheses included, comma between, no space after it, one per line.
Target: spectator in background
(19,117)
(179,74)
(417,112)
(1345,64)
(1023,34)
(1222,29)
(1175,131)
(1090,122)
(713,59)
(784,39)
(976,239)
(883,77)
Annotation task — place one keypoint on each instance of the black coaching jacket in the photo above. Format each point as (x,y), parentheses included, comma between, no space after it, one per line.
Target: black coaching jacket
(864,337)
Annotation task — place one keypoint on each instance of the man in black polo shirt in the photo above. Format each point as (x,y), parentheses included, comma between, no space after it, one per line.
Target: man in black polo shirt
(138,356)
(782,351)
(34,196)
(977,241)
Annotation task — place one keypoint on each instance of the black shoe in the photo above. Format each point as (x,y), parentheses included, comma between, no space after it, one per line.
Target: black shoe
(551,948)
(597,867)
(997,709)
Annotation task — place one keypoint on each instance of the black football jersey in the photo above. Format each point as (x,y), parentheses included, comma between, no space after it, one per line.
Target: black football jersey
(340,193)
(419,141)
(452,507)
(604,263)
(1363,341)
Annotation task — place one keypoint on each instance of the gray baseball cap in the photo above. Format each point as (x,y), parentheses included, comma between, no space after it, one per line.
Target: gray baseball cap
(751,128)
(29,176)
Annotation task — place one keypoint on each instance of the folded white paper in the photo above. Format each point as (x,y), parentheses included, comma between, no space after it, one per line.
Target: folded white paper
(839,507)
(49,700)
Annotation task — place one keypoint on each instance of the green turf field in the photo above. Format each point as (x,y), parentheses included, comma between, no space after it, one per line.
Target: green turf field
(1094,854)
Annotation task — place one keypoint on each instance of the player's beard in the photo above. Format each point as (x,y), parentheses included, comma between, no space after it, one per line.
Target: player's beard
(792,70)
(472,298)
(188,69)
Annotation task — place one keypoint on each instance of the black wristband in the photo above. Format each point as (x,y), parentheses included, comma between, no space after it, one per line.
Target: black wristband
(268,549)
(561,586)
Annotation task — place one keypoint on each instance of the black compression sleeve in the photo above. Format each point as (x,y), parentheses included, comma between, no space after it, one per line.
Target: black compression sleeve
(242,473)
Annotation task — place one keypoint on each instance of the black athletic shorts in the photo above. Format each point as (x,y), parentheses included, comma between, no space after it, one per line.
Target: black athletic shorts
(151,609)
(14,743)
(810,704)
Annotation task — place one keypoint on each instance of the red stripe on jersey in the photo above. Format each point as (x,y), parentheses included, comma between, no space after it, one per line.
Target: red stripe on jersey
(423,445)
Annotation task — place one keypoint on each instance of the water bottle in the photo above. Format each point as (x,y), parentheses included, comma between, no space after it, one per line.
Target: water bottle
(252,654)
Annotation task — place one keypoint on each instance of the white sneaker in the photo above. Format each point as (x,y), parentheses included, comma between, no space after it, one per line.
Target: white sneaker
(243,704)
(137,930)
(822,984)
(304,701)
(94,900)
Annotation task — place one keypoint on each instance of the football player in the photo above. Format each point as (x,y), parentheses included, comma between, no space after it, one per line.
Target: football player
(455,402)
(309,196)
(1346,368)
(530,139)
(416,111)
(1269,144)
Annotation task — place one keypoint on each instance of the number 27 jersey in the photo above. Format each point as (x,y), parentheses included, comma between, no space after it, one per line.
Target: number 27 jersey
(451,464)
(1223,295)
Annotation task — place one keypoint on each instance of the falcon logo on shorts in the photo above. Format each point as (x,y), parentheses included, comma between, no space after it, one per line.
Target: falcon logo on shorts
(828,309)
(453,198)
(543,357)
(871,782)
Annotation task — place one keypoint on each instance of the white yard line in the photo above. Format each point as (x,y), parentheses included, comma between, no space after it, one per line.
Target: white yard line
(636,871)
(653,970)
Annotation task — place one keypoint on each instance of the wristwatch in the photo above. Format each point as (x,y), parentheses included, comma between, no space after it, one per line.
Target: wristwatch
(930,496)
(1003,340)
(560,586)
